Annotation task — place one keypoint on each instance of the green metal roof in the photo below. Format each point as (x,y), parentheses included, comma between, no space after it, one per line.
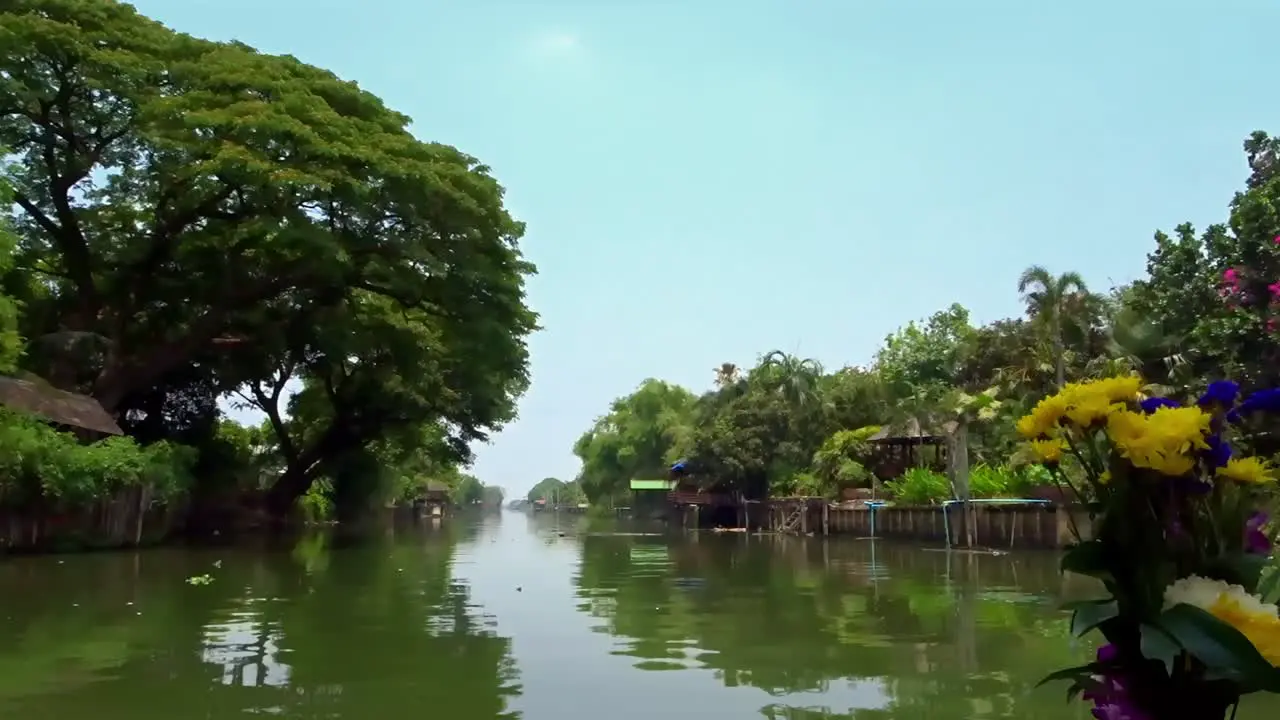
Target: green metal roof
(652,485)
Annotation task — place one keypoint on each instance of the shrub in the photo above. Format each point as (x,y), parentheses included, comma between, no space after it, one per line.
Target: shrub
(921,486)
(38,462)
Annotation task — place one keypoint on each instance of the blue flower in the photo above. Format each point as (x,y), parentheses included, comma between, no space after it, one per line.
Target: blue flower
(1264,401)
(1218,453)
(1150,405)
(1222,393)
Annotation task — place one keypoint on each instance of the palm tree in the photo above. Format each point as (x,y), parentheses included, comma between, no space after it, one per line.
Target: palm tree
(796,379)
(726,375)
(1049,300)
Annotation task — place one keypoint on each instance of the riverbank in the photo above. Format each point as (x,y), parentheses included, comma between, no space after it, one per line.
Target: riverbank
(1002,524)
(1007,525)
(124,525)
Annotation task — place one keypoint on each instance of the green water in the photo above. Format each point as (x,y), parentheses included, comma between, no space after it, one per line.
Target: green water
(536,618)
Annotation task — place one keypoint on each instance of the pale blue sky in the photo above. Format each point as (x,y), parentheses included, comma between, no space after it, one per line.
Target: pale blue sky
(708,180)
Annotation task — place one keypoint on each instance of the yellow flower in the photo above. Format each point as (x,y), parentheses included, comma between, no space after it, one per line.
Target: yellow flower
(1105,477)
(1250,470)
(1164,441)
(1082,404)
(1256,620)
(1043,418)
(1119,389)
(1126,427)
(1048,451)
(1089,409)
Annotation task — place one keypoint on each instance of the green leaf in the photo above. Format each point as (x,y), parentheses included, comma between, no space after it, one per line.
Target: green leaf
(1269,586)
(1082,684)
(1078,673)
(1156,644)
(1089,614)
(1086,558)
(1242,569)
(1219,646)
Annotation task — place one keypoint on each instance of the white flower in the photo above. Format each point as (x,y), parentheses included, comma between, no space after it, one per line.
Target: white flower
(1204,593)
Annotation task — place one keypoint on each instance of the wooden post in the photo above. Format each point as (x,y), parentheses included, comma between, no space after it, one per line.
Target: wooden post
(958,457)
(826,519)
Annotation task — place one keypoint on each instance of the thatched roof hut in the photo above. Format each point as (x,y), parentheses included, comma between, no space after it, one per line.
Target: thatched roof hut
(908,432)
(436,490)
(59,406)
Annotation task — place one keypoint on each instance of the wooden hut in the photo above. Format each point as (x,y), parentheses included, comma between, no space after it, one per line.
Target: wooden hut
(435,498)
(905,445)
(68,409)
(651,498)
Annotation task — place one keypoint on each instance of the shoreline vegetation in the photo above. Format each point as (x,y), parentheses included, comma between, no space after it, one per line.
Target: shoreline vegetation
(933,416)
(190,221)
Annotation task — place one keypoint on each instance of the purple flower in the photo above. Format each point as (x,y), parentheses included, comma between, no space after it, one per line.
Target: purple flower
(1222,393)
(1110,698)
(1256,541)
(1116,711)
(1152,404)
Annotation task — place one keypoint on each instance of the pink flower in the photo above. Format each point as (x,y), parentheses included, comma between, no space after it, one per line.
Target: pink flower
(1231,277)
(1275,289)
(1277,240)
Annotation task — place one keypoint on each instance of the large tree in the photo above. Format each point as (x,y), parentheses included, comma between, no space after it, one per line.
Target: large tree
(206,216)
(640,437)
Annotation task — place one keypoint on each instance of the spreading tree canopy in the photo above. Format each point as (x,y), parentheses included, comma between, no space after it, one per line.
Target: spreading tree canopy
(200,217)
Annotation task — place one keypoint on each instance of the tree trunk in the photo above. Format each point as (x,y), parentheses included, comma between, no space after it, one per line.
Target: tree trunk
(1059,355)
(283,496)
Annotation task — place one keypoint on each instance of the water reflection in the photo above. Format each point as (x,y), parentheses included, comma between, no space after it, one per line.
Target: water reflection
(850,628)
(359,631)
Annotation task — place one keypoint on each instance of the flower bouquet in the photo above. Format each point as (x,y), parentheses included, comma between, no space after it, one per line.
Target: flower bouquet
(1177,538)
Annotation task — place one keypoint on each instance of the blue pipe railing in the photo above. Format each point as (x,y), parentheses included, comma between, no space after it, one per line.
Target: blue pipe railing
(946,516)
(873,505)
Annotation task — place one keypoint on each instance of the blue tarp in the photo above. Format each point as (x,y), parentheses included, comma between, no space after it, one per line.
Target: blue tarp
(679,467)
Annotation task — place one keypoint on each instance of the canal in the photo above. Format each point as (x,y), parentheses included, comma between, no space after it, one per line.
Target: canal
(537,618)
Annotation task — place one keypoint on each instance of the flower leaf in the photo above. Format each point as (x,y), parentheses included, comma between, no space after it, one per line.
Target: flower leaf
(1077,674)
(1269,586)
(1089,614)
(1086,558)
(1219,646)
(1156,644)
(1242,569)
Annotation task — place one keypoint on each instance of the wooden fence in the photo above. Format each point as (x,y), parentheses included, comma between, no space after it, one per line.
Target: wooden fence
(1013,525)
(127,518)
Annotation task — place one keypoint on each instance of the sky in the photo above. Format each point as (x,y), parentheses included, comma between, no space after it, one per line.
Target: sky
(705,181)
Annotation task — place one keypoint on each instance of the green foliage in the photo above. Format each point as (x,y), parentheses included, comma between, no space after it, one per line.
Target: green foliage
(164,251)
(987,481)
(556,491)
(641,436)
(10,339)
(840,461)
(920,486)
(467,490)
(928,354)
(40,465)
